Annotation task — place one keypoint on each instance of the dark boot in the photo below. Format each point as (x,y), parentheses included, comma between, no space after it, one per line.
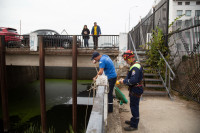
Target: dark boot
(128,122)
(129,128)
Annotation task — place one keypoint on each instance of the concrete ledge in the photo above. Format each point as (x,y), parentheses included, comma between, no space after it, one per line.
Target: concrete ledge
(96,121)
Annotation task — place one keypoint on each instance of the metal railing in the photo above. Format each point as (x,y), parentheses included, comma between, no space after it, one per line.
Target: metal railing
(167,77)
(104,41)
(62,41)
(156,17)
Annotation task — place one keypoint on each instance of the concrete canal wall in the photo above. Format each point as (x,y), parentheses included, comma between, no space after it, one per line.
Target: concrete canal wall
(20,75)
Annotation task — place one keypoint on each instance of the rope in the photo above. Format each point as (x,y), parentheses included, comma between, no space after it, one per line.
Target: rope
(92,86)
(88,101)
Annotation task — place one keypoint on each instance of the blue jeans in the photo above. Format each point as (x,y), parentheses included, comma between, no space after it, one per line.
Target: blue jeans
(86,42)
(111,82)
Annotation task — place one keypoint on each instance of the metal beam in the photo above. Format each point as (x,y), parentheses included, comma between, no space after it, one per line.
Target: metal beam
(42,85)
(74,83)
(4,93)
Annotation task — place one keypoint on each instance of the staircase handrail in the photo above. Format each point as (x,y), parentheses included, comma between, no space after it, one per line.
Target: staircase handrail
(166,73)
(134,48)
(167,65)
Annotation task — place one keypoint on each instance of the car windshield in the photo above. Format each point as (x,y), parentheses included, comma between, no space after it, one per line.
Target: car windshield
(46,33)
(12,30)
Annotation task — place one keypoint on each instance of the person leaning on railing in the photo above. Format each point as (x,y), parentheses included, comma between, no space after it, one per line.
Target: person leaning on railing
(134,81)
(96,32)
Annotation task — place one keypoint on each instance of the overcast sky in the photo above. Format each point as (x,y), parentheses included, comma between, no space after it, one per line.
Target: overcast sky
(111,15)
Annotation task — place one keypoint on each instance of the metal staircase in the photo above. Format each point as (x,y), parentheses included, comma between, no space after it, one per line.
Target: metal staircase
(153,82)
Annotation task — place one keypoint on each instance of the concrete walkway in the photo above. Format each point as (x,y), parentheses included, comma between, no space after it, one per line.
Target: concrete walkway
(158,115)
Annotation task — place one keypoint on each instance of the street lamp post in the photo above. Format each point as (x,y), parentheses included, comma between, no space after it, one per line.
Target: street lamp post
(130,16)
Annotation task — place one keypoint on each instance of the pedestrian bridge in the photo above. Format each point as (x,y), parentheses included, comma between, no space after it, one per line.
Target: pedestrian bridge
(58,50)
(55,57)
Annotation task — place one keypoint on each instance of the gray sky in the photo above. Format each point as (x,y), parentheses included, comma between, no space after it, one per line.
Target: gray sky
(111,15)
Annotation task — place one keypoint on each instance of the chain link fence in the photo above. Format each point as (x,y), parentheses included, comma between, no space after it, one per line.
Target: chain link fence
(185,56)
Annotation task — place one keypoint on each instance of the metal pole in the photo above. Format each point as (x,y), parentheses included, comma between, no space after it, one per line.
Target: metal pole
(20,27)
(169,85)
(166,76)
(74,83)
(42,84)
(4,93)
(153,18)
(167,25)
(129,22)
(130,17)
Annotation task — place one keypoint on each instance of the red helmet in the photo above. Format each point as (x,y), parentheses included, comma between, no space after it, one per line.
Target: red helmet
(128,54)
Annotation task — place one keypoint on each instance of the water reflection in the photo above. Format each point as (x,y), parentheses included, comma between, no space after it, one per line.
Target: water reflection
(24,103)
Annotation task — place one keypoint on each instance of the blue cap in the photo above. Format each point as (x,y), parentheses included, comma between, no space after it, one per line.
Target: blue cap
(94,55)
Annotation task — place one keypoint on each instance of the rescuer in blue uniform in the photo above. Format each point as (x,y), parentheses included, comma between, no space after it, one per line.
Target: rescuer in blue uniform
(106,65)
(134,81)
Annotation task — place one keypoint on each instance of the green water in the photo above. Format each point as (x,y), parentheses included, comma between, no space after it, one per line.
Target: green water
(24,101)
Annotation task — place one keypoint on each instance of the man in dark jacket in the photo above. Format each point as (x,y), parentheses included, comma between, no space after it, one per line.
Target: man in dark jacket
(134,82)
(96,32)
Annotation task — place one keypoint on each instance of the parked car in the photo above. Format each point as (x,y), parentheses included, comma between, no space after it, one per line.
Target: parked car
(12,38)
(52,38)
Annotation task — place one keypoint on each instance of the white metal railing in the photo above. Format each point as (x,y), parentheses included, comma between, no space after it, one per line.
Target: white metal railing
(168,76)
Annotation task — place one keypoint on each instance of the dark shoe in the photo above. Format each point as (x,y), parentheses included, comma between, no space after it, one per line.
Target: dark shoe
(129,128)
(128,122)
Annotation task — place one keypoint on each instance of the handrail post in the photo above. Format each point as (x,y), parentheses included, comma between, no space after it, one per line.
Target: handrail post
(74,83)
(42,85)
(169,81)
(167,64)
(166,76)
(4,93)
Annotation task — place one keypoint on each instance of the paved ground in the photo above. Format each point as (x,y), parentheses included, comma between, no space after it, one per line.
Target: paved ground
(158,115)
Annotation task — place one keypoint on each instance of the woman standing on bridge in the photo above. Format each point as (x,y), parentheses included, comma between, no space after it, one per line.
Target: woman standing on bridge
(85,33)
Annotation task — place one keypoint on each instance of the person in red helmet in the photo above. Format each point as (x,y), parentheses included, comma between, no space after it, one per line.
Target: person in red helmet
(134,82)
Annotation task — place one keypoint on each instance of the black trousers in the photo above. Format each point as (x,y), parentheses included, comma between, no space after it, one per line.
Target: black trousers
(95,40)
(111,82)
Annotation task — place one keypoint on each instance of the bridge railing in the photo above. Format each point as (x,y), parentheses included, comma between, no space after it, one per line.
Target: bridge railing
(62,41)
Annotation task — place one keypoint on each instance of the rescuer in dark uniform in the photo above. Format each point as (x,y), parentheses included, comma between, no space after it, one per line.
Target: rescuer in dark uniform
(134,81)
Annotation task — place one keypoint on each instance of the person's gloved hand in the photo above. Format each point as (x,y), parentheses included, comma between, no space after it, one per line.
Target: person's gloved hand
(121,80)
(117,82)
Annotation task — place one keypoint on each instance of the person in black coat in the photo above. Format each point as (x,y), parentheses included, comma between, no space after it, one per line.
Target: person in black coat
(85,33)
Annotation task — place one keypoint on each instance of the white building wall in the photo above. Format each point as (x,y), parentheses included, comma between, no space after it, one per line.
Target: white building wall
(173,7)
(123,38)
